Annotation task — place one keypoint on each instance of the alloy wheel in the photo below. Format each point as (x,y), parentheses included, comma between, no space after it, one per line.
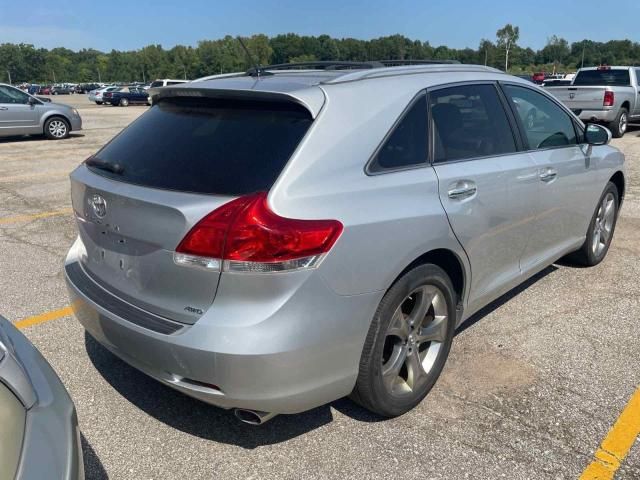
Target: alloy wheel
(413,340)
(604,224)
(623,123)
(57,128)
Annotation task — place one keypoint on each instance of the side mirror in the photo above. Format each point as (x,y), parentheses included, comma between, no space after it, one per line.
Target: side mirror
(32,101)
(596,134)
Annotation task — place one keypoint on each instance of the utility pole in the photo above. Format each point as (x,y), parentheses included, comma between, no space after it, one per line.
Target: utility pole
(53,73)
(486,56)
(184,69)
(99,79)
(9,73)
(582,63)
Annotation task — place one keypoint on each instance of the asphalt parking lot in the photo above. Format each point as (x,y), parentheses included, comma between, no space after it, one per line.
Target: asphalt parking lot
(532,387)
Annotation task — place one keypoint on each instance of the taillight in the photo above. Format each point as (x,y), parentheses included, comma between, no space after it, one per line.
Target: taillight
(608,99)
(244,235)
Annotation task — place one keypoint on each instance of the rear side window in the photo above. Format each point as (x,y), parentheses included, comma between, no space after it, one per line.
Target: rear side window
(207,146)
(614,78)
(469,121)
(406,146)
(544,123)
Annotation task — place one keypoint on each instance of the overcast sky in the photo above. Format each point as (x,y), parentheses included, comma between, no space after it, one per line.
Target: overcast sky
(132,24)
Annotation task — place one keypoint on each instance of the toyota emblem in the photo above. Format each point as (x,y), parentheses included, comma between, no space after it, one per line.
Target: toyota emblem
(99,206)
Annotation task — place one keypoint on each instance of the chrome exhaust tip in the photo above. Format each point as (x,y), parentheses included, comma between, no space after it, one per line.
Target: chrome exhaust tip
(253,417)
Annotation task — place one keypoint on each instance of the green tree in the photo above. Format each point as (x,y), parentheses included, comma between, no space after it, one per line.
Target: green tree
(507,38)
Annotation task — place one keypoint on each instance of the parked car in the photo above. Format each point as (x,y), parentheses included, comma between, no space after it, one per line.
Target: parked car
(556,82)
(86,87)
(39,435)
(23,114)
(61,90)
(96,95)
(538,77)
(45,90)
(164,82)
(607,95)
(126,96)
(241,243)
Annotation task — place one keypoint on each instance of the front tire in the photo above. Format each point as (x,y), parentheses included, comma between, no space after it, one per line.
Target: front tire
(124,102)
(98,103)
(56,128)
(408,342)
(619,126)
(601,229)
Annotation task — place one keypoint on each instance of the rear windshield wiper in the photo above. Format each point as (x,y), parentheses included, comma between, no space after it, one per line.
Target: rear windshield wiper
(103,165)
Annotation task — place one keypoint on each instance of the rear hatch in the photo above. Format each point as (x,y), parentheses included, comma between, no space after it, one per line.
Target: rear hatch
(138,197)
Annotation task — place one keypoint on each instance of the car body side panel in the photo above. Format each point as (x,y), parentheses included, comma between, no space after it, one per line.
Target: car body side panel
(51,446)
(390,219)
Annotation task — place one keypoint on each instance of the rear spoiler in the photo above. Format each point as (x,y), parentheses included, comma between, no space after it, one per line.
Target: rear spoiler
(310,98)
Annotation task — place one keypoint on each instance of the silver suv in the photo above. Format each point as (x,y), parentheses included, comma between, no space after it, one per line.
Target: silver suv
(276,240)
(24,114)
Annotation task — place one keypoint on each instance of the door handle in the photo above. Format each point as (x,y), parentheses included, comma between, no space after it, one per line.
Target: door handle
(4,108)
(462,189)
(548,174)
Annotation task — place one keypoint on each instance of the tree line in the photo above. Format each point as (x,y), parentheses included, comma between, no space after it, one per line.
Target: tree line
(25,63)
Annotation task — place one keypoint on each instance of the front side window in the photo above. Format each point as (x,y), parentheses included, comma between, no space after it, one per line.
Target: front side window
(469,121)
(407,144)
(544,123)
(13,95)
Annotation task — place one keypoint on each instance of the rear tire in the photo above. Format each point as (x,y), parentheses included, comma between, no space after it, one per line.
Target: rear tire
(98,103)
(601,230)
(619,126)
(408,342)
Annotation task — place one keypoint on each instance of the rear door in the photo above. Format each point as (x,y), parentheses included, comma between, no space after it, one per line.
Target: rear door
(17,117)
(177,163)
(488,188)
(567,178)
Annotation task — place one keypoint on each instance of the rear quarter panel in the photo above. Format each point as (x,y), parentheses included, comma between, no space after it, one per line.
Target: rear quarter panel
(389,219)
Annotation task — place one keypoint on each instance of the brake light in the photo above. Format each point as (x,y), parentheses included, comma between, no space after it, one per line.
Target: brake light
(609,97)
(244,235)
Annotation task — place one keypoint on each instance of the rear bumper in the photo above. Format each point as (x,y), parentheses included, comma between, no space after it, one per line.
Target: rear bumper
(302,354)
(51,447)
(598,115)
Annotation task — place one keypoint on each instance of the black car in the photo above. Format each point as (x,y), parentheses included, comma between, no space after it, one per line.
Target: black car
(126,96)
(86,87)
(61,90)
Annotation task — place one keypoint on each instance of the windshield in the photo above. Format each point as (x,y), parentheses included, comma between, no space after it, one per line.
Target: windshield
(613,78)
(207,146)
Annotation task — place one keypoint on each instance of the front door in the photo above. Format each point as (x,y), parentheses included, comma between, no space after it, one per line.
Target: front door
(487,187)
(17,116)
(567,177)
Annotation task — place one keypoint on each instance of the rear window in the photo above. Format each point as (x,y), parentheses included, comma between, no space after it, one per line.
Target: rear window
(207,146)
(613,78)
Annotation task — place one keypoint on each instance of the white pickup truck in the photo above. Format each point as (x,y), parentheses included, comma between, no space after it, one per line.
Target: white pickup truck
(608,95)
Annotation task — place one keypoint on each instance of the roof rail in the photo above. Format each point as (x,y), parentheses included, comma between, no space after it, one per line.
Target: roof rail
(398,63)
(317,65)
